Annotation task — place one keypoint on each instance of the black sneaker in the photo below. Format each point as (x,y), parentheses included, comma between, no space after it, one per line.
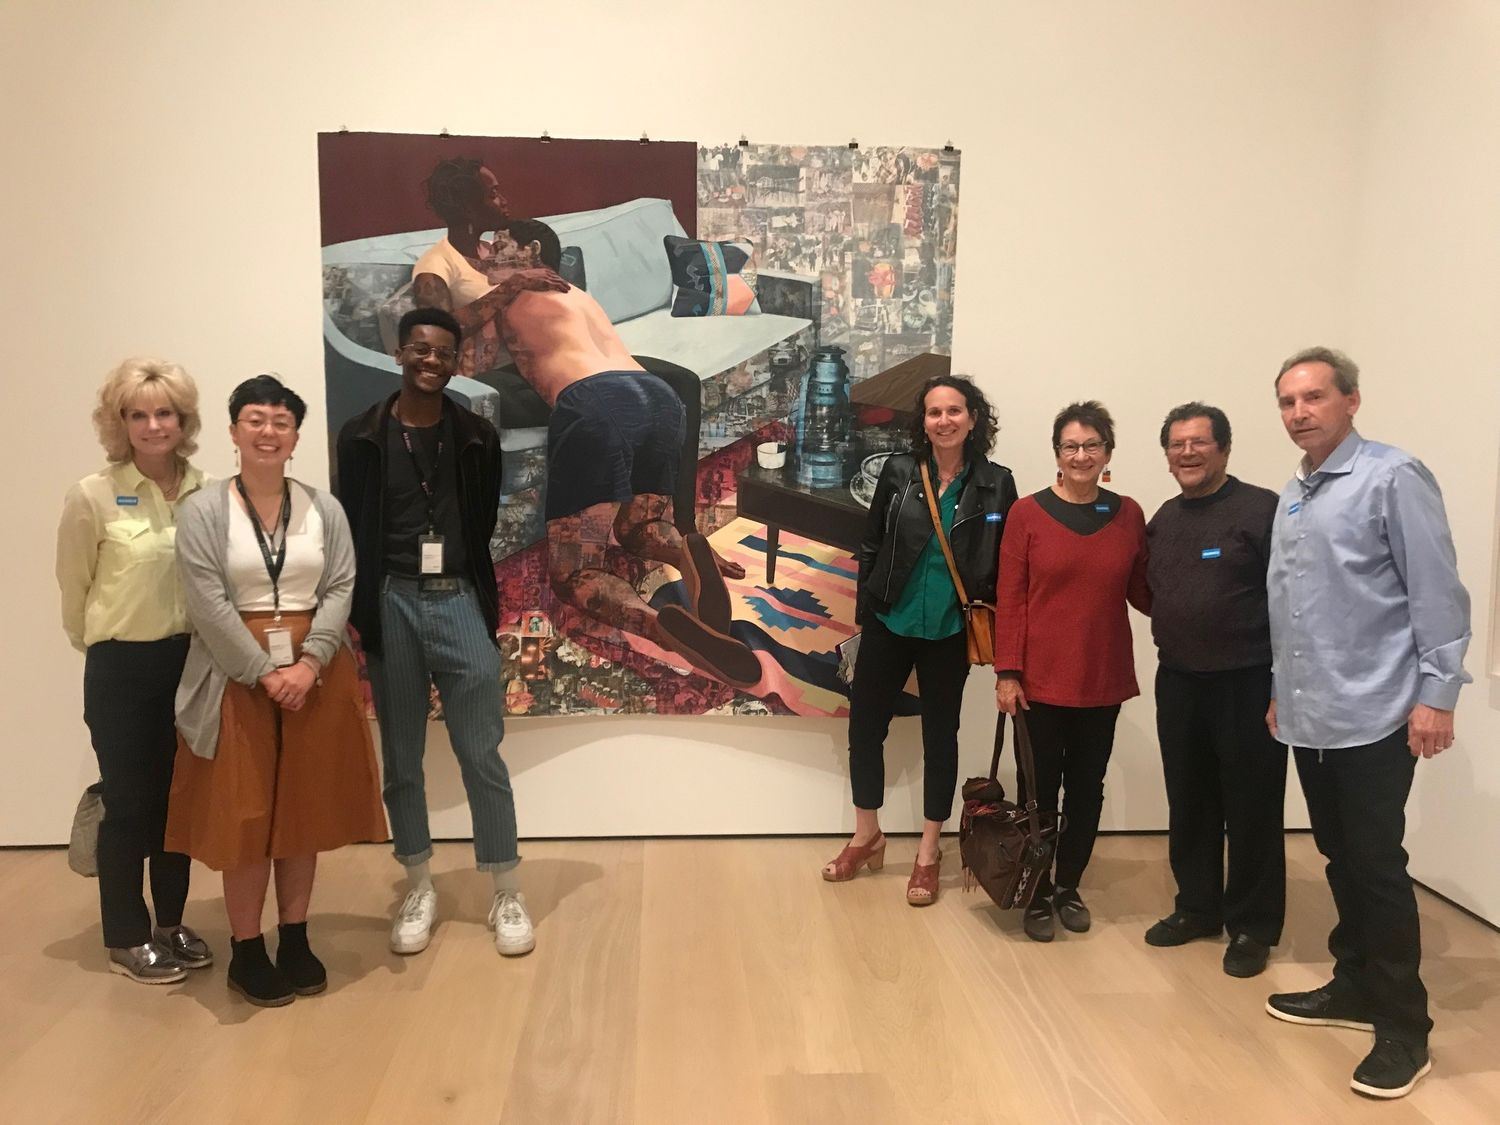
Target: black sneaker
(1071,912)
(1319,1008)
(1245,956)
(252,975)
(1037,921)
(1391,1069)
(1180,928)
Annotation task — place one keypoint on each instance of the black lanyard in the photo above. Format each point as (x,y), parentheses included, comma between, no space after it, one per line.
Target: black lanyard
(275,562)
(428,482)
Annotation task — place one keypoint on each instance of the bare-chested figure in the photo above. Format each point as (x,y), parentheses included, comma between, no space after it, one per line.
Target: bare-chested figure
(614,445)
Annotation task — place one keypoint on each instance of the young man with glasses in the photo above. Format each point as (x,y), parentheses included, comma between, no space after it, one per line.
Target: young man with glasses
(1225,774)
(419,477)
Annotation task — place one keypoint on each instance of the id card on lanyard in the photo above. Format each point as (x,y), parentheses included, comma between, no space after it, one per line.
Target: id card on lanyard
(278,640)
(429,546)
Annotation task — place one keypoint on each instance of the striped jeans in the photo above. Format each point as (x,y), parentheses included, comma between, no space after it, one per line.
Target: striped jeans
(441,635)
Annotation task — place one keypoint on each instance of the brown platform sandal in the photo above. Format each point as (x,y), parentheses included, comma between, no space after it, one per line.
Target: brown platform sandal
(848,862)
(922,887)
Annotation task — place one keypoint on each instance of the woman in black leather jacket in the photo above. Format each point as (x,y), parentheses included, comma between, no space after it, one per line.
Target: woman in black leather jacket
(909,610)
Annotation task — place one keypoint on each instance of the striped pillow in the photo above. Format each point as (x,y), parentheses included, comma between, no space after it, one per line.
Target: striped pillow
(707,276)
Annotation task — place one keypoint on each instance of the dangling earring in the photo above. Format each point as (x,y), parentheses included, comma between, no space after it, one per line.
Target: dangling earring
(1106,474)
(1059,473)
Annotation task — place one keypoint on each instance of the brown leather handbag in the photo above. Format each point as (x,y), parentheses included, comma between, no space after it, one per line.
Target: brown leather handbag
(979,617)
(1006,848)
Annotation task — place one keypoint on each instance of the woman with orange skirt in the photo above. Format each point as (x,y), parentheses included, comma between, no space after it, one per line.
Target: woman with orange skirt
(274,758)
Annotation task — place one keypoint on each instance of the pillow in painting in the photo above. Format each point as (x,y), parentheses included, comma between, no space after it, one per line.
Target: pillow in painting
(707,276)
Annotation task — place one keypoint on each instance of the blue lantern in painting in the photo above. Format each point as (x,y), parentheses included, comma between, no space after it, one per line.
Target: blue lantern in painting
(823,424)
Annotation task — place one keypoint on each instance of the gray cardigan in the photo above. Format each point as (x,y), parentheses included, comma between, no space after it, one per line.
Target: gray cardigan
(222,648)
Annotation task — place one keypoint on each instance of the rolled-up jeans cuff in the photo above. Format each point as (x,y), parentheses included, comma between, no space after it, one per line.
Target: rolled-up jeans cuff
(498,865)
(412,860)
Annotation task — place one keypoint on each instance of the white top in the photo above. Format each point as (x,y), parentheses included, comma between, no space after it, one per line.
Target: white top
(304,558)
(465,283)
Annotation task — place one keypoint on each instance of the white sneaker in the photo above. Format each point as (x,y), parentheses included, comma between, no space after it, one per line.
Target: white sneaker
(512,925)
(412,928)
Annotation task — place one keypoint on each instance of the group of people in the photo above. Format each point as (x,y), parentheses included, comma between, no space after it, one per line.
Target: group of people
(220,691)
(1329,618)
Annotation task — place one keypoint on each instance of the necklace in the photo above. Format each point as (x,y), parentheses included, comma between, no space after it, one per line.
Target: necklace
(169,492)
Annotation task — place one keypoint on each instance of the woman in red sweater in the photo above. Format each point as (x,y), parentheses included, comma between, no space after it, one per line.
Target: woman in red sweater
(1071,557)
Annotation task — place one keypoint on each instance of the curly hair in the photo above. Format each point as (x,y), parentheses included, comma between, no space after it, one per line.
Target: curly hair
(1218,421)
(454,188)
(141,379)
(1091,414)
(981,438)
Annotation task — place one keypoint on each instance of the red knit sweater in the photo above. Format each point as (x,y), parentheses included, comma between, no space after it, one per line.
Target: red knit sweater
(1061,618)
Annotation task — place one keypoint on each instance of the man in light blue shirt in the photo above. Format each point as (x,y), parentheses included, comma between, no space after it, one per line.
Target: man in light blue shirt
(1369,626)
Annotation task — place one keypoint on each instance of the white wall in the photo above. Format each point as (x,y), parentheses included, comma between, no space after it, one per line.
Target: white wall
(1156,207)
(1425,278)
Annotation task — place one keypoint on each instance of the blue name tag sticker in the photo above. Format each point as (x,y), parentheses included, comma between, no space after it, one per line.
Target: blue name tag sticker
(1101,507)
(1294,507)
(993,517)
(1211,552)
(127,501)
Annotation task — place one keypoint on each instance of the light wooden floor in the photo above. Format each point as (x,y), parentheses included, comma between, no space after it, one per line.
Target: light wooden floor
(718,981)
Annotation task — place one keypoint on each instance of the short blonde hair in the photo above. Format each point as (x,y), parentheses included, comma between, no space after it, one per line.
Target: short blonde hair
(134,378)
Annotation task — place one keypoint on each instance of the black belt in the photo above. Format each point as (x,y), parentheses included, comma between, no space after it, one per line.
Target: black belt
(439,583)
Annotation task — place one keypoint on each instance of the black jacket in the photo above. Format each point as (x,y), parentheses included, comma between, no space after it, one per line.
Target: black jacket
(360,487)
(900,526)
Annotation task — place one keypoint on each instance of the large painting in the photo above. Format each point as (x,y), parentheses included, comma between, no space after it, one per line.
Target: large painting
(774,304)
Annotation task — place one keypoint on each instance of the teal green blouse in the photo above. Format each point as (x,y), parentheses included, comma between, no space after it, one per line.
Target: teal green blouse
(928,605)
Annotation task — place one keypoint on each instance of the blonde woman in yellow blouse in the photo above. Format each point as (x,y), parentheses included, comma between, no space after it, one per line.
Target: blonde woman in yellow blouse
(122,607)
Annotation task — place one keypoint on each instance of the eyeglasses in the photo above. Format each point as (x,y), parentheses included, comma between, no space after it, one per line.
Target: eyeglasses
(275,425)
(1190,445)
(1072,448)
(422,351)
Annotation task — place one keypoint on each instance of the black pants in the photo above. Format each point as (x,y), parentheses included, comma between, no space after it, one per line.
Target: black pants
(1226,779)
(1356,799)
(885,661)
(1071,746)
(128,688)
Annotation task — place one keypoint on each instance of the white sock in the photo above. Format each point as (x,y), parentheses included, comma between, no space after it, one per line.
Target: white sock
(506,880)
(419,876)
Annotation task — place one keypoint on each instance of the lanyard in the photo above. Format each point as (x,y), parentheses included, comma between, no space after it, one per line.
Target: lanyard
(427,483)
(274,563)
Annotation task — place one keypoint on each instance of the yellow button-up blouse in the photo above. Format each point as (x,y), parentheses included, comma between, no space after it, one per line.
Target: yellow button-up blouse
(115,557)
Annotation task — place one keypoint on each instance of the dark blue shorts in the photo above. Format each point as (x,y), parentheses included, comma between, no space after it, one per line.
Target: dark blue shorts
(612,436)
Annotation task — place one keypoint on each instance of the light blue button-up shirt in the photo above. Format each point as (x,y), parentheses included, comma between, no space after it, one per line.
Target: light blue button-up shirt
(1368,616)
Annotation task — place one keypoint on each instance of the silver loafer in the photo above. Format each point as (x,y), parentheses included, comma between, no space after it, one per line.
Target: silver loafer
(185,945)
(147,964)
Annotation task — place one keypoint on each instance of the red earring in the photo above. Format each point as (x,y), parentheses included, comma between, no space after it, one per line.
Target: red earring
(1059,471)
(1106,474)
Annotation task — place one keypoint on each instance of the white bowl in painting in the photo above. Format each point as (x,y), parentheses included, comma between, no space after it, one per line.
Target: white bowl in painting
(862,487)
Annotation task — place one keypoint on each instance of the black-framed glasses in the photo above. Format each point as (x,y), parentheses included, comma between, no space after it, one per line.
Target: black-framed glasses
(1072,448)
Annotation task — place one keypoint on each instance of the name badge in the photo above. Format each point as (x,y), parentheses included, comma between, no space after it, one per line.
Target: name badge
(127,501)
(432,554)
(1293,507)
(279,647)
(1211,552)
(1101,507)
(993,517)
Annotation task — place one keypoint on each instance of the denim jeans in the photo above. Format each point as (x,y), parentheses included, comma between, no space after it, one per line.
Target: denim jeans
(441,636)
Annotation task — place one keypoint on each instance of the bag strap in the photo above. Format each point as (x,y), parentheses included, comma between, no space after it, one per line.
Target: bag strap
(999,746)
(942,537)
(1027,763)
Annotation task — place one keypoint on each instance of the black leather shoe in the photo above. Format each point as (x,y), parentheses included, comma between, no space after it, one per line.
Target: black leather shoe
(303,971)
(1071,912)
(1180,928)
(252,975)
(1037,921)
(1245,956)
(1391,1069)
(1321,1007)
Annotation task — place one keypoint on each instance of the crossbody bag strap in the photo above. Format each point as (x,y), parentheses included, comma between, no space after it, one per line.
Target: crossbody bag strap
(942,536)
(1027,764)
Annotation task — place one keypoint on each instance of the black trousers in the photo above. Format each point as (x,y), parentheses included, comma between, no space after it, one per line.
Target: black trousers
(1356,799)
(885,661)
(128,689)
(1226,780)
(1071,746)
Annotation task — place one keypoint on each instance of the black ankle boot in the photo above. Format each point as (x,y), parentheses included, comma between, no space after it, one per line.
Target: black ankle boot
(302,970)
(252,975)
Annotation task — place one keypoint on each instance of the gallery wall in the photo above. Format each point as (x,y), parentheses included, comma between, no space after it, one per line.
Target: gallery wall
(1160,201)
